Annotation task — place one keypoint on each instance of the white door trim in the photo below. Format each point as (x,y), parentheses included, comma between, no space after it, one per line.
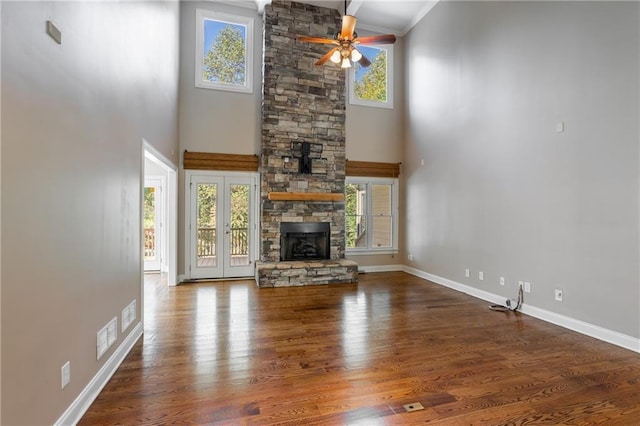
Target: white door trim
(171,217)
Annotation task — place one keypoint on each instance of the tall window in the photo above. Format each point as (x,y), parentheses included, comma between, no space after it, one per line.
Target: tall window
(224,51)
(371,214)
(373,86)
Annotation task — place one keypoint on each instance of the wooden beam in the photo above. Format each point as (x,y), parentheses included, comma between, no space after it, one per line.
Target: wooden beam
(305,196)
(211,161)
(372,169)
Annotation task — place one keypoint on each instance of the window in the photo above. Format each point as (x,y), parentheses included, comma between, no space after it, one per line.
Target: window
(373,86)
(224,51)
(371,206)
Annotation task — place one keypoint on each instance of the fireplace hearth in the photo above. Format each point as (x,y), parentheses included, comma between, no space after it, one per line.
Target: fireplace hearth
(305,241)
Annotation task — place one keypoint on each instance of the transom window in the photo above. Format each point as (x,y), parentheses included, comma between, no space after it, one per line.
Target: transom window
(373,86)
(371,206)
(224,51)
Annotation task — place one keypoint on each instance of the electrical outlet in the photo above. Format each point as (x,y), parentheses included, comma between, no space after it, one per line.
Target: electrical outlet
(65,373)
(559,295)
(467,273)
(527,287)
(410,256)
(481,276)
(501,280)
(521,284)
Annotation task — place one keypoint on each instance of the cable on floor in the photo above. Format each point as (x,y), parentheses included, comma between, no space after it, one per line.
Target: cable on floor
(507,308)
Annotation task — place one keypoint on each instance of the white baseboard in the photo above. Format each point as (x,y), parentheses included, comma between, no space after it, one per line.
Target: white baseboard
(380,268)
(76,410)
(595,331)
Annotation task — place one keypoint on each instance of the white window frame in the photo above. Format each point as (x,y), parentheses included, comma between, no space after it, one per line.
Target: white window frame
(205,14)
(355,251)
(354,100)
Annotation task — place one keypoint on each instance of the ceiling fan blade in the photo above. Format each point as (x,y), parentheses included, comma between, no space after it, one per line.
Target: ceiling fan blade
(364,62)
(317,40)
(326,57)
(376,39)
(348,26)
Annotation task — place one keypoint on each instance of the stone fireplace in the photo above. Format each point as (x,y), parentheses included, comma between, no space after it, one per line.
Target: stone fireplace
(303,149)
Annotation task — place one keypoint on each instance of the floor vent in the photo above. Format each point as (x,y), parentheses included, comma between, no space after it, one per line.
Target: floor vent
(415,406)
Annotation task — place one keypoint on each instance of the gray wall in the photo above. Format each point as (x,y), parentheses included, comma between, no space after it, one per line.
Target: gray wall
(215,120)
(501,191)
(73,119)
(377,134)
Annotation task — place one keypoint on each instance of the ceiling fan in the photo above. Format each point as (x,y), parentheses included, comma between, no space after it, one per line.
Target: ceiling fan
(346,42)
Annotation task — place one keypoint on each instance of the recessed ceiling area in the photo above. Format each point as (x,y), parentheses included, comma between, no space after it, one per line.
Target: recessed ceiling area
(380,16)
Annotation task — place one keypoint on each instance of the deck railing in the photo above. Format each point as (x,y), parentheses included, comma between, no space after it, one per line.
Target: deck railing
(239,241)
(149,243)
(207,241)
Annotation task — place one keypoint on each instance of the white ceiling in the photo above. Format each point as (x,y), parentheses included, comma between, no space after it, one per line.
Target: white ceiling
(380,16)
(389,16)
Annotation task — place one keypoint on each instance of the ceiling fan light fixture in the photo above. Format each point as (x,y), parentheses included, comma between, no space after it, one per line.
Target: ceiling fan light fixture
(344,52)
(336,57)
(356,55)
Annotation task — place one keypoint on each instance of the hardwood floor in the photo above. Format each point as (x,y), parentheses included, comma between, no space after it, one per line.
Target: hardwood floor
(230,353)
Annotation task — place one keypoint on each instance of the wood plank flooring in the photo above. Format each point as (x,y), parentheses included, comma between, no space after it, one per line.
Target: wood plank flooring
(230,353)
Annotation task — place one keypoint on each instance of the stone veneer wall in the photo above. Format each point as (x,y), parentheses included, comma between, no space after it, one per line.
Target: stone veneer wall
(301,103)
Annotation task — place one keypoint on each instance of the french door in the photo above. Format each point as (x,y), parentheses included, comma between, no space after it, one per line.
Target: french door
(221,225)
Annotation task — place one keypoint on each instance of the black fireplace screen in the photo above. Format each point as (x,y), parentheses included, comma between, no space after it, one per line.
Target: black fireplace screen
(305,240)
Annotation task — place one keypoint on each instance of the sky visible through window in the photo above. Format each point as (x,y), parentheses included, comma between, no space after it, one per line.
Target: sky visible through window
(371,53)
(213,28)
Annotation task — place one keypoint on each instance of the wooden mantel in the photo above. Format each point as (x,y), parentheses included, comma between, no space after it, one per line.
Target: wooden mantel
(305,196)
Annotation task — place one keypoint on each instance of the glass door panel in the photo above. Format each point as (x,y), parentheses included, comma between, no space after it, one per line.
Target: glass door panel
(206,225)
(205,219)
(238,262)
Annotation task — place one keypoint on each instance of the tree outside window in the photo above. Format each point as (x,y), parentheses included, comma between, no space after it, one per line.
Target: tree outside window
(371,206)
(372,86)
(223,59)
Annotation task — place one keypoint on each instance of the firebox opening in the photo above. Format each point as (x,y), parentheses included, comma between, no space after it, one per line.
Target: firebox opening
(305,241)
